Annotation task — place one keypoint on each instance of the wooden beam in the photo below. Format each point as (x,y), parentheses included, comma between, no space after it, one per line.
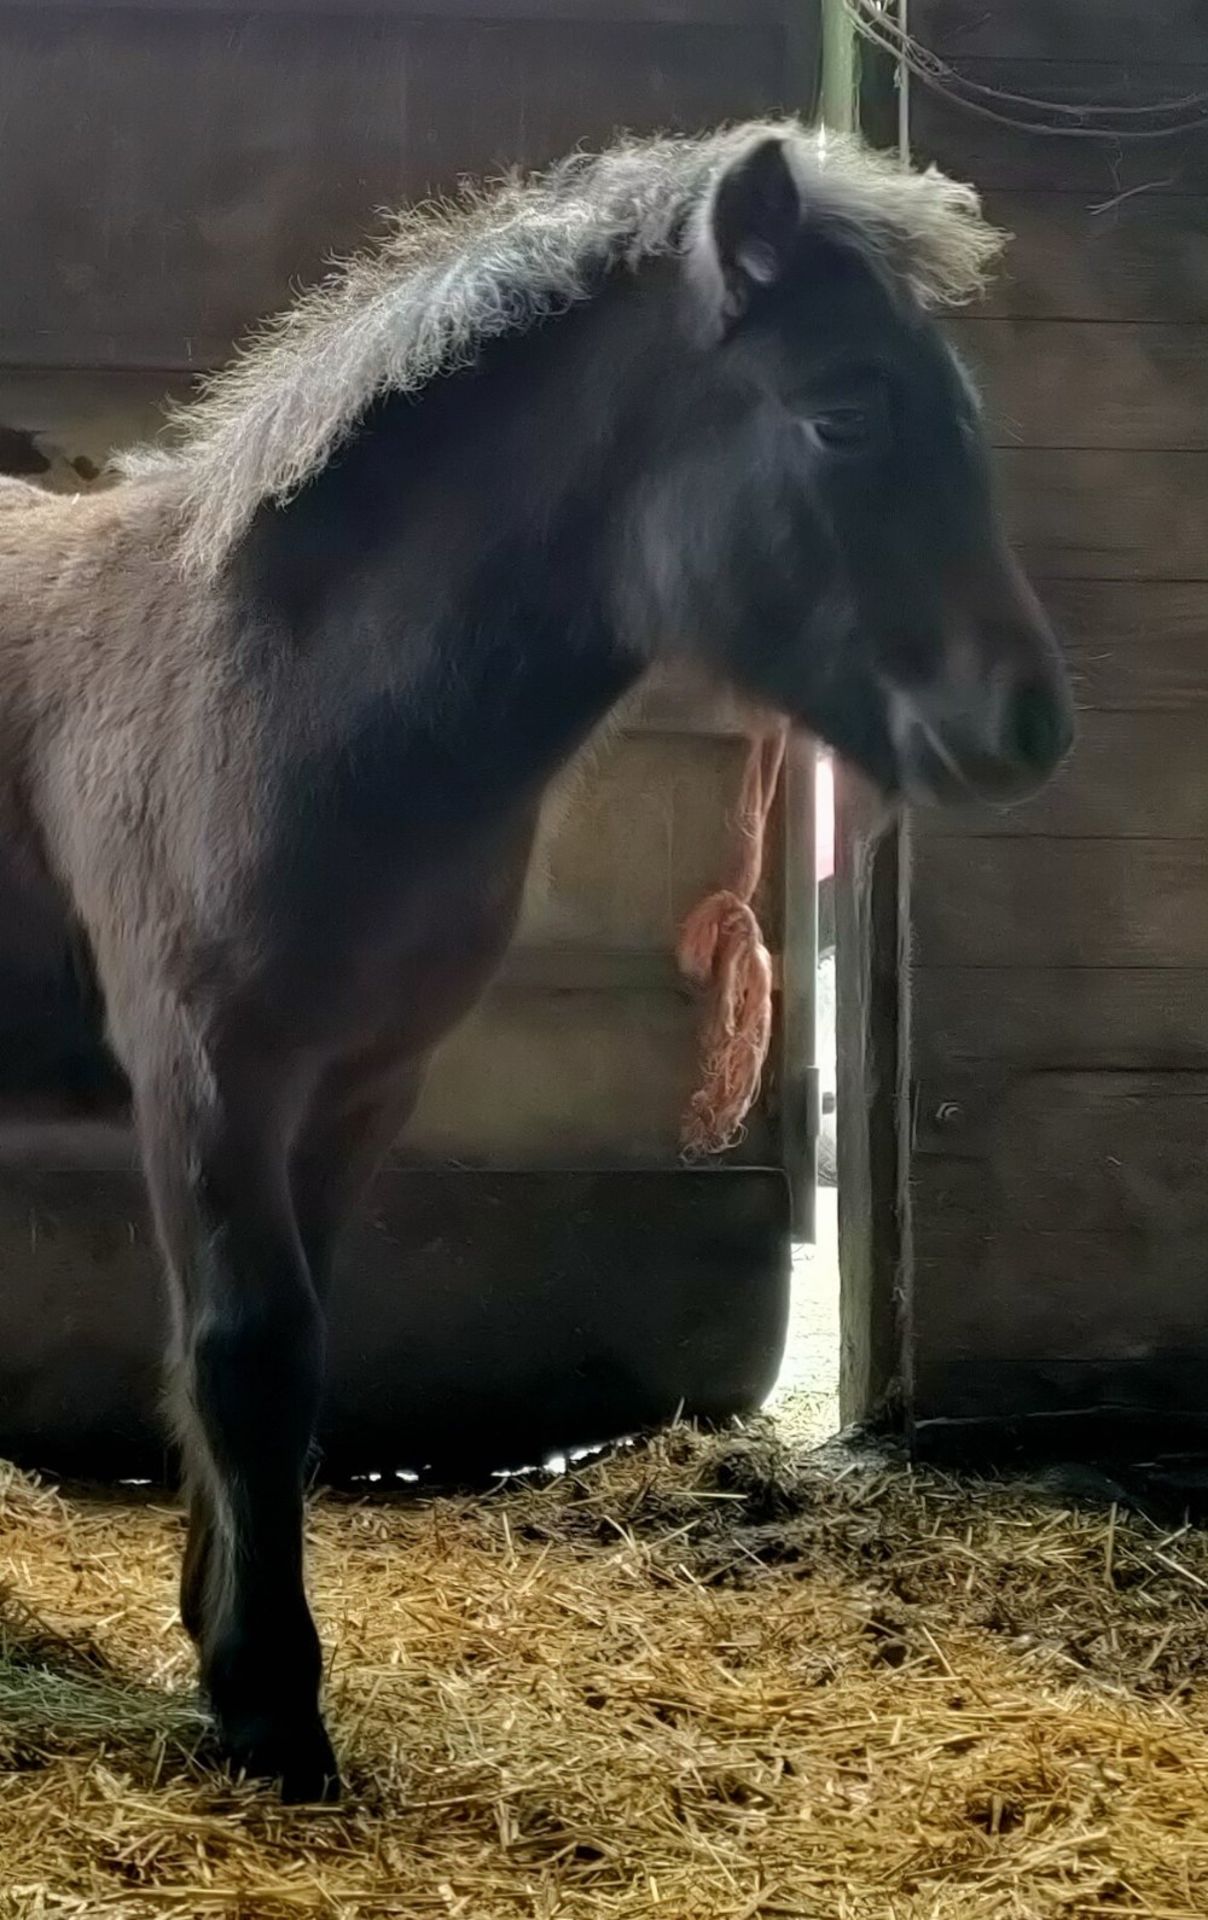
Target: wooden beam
(1172,31)
(1059,1018)
(1061,903)
(1076,383)
(1131,776)
(651,1293)
(1103,515)
(1076,256)
(677,13)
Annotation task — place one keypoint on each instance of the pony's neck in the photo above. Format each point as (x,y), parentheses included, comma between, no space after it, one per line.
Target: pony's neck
(465,544)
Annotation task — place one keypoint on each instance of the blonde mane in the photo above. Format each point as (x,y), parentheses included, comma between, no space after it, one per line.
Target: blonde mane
(452,275)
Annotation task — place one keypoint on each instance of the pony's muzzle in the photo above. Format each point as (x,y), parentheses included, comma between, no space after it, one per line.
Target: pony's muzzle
(1037,728)
(995,719)
(1000,742)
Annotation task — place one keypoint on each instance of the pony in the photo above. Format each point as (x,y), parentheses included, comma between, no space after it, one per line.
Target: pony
(278,707)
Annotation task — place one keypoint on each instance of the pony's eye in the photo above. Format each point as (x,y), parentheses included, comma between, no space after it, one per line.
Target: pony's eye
(845,429)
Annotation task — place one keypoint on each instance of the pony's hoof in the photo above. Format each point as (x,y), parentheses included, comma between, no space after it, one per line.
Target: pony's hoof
(314,1782)
(299,1759)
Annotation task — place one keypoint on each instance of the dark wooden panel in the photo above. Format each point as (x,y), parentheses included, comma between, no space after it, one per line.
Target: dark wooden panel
(1135,776)
(1071,258)
(1059,1179)
(971,1409)
(973,147)
(1133,647)
(1094,515)
(650,1292)
(1065,903)
(683,13)
(494,95)
(1059,1017)
(1093,30)
(1015,1296)
(249,150)
(1071,383)
(1124,1152)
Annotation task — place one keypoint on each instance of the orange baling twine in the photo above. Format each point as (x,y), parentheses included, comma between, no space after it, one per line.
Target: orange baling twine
(721,950)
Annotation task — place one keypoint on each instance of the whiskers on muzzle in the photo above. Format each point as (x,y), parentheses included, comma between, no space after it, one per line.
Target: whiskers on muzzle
(1001,741)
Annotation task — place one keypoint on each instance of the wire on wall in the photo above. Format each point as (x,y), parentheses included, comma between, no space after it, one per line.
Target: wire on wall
(882,23)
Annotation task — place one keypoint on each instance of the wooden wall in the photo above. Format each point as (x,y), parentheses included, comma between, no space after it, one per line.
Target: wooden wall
(1058,983)
(168,170)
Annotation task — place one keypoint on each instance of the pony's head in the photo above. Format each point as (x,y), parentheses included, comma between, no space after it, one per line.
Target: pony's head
(791,479)
(817,521)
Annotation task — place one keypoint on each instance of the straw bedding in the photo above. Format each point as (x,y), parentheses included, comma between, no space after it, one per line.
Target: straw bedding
(701,1678)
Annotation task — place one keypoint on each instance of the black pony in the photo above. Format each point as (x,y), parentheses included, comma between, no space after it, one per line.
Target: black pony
(277,710)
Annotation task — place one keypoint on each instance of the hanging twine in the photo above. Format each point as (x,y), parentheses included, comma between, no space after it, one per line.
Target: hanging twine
(721,951)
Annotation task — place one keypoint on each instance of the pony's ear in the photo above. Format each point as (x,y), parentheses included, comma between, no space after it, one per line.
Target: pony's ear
(755,222)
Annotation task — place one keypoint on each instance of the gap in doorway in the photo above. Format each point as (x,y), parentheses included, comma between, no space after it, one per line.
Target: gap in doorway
(805,1399)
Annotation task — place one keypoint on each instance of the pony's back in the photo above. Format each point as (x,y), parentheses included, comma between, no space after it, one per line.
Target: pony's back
(16,493)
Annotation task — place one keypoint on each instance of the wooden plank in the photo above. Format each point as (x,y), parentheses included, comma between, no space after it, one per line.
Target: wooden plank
(568,1079)
(1118,1152)
(1064,1018)
(1099,515)
(477,1320)
(1014,1296)
(1073,383)
(1058,1191)
(680,13)
(531,1080)
(251,152)
(1092,30)
(999,156)
(493,95)
(543,1072)
(976,1411)
(1061,903)
(1133,647)
(635,840)
(1131,776)
(556,969)
(1073,258)
(675,700)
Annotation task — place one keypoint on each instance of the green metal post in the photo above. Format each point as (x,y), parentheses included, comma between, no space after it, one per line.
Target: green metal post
(840,67)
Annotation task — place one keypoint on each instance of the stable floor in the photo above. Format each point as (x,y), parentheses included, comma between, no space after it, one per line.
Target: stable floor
(702,1679)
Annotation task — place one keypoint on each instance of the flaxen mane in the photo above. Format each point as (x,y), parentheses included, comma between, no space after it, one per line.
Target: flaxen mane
(451,276)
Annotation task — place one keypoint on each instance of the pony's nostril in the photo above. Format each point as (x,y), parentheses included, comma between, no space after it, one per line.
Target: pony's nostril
(1039,730)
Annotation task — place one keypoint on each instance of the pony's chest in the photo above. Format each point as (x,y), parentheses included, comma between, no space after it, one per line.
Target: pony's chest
(395,944)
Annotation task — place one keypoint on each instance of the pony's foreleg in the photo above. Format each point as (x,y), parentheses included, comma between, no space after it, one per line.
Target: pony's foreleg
(247,1376)
(340,1146)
